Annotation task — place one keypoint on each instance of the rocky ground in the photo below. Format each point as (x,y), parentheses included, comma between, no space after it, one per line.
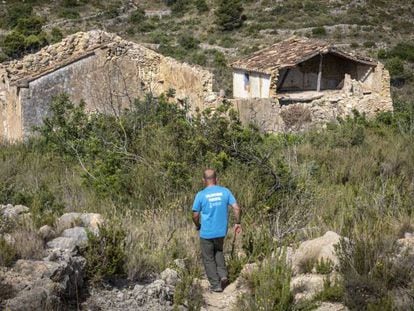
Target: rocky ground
(57,281)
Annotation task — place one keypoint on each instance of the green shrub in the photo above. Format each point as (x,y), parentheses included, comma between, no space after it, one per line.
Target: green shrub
(331,292)
(56,35)
(187,292)
(105,253)
(137,16)
(319,31)
(404,51)
(14,44)
(369,44)
(201,6)
(229,15)
(324,266)
(69,13)
(17,11)
(7,253)
(188,42)
(29,25)
(395,66)
(270,286)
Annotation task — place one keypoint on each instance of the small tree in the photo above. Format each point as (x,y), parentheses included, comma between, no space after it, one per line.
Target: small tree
(229,15)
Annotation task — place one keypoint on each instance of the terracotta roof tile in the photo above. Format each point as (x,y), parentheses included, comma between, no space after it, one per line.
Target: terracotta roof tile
(291,52)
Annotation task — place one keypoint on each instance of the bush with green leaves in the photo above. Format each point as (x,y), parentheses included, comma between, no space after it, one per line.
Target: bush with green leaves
(105,252)
(270,285)
(7,253)
(229,15)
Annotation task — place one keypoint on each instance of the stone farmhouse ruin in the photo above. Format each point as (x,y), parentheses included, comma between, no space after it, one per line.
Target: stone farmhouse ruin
(290,86)
(299,82)
(102,69)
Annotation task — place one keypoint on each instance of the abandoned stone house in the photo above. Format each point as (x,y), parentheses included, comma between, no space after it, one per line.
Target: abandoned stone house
(102,69)
(300,81)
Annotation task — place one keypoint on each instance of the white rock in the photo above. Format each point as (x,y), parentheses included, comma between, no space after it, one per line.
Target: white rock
(306,286)
(315,250)
(170,277)
(46,232)
(329,306)
(90,220)
(13,211)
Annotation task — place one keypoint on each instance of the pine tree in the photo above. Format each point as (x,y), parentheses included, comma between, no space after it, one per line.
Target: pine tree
(229,15)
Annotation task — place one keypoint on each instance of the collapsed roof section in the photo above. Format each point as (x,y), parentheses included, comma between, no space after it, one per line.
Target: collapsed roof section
(291,52)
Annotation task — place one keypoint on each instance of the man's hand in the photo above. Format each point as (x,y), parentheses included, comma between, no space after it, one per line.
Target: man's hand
(237,228)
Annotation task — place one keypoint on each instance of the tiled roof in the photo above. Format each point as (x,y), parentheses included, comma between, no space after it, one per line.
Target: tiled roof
(291,52)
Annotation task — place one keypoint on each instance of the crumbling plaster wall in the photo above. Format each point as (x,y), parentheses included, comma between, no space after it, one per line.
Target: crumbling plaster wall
(270,116)
(258,86)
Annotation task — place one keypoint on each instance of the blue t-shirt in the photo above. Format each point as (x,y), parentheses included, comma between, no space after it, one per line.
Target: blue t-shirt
(212,204)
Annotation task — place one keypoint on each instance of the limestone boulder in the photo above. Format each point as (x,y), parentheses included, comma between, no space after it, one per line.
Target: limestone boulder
(46,232)
(306,286)
(170,277)
(44,284)
(316,250)
(92,221)
(70,239)
(329,306)
(12,212)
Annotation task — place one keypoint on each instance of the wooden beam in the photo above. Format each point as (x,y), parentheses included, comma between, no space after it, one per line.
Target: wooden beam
(318,86)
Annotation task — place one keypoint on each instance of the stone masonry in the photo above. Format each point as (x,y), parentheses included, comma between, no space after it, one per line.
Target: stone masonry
(100,68)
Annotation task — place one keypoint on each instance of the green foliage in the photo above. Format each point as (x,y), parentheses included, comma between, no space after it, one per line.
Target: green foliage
(137,16)
(403,50)
(7,253)
(29,25)
(371,274)
(105,253)
(14,44)
(188,41)
(319,31)
(201,6)
(229,15)
(55,35)
(324,266)
(187,292)
(45,208)
(69,13)
(395,66)
(17,11)
(333,292)
(270,286)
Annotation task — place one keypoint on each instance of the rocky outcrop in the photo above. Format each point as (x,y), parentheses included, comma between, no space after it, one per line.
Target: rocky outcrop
(316,250)
(45,284)
(58,279)
(157,295)
(13,211)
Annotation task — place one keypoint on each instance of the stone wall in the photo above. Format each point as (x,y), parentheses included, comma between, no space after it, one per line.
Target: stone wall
(105,71)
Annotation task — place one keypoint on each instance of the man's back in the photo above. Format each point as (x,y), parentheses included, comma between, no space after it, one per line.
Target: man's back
(212,203)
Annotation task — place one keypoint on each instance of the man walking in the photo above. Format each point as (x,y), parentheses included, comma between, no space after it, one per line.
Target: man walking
(211,205)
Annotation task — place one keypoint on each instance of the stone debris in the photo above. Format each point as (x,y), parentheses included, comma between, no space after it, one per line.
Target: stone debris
(157,295)
(56,279)
(12,212)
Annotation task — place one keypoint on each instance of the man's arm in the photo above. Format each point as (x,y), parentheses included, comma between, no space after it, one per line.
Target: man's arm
(237,217)
(196,220)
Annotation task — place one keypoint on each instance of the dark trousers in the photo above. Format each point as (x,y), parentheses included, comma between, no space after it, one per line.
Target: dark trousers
(213,259)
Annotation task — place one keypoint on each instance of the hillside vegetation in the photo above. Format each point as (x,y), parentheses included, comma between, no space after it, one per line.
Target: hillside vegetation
(141,169)
(213,33)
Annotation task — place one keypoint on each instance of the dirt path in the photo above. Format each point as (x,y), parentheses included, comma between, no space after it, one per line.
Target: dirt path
(221,301)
